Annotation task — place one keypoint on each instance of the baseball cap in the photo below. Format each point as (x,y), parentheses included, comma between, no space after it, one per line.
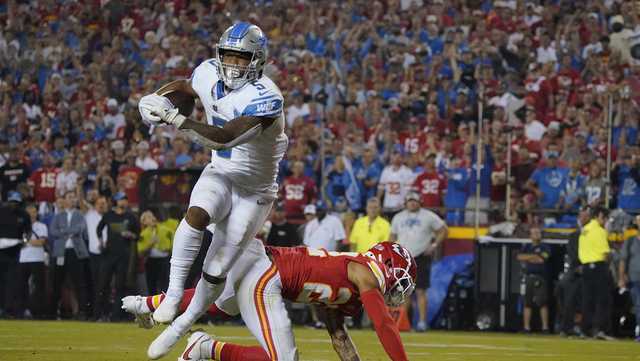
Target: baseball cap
(310,209)
(112,102)
(119,196)
(117,144)
(143,145)
(412,196)
(14,196)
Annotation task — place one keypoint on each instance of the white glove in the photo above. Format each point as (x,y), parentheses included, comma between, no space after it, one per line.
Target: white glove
(152,106)
(174,117)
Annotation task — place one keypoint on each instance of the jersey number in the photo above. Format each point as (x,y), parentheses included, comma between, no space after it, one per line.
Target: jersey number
(323,293)
(393,187)
(294,192)
(48,180)
(430,186)
(219,122)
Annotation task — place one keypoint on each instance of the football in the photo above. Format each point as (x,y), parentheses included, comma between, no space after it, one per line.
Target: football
(181,100)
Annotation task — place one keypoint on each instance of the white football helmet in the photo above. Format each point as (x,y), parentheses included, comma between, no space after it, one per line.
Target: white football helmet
(245,38)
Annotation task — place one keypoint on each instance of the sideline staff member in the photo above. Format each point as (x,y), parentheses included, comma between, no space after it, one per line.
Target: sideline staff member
(593,252)
(421,232)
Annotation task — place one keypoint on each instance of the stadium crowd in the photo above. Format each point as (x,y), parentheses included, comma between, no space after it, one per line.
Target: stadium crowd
(382,97)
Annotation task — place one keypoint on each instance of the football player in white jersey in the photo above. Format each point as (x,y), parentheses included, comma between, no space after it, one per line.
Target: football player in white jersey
(245,131)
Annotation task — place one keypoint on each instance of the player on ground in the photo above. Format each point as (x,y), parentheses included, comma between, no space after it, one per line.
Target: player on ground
(342,282)
(245,130)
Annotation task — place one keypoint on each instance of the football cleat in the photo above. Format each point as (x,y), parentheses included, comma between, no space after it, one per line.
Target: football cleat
(135,306)
(163,343)
(195,349)
(167,310)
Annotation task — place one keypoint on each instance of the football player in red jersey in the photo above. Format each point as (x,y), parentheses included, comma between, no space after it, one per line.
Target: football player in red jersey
(430,184)
(298,190)
(340,282)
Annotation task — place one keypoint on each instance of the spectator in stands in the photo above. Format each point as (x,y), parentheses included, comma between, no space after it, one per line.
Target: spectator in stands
(31,269)
(181,150)
(43,182)
(431,184)
(395,181)
(114,120)
(573,194)
(283,233)
(298,190)
(421,232)
(594,252)
(12,173)
(14,225)
(455,199)
(367,172)
(548,182)
(595,186)
(122,231)
(129,179)
(67,178)
(144,160)
(322,230)
(119,157)
(485,186)
(370,228)
(69,254)
(629,273)
(154,245)
(535,258)
(626,177)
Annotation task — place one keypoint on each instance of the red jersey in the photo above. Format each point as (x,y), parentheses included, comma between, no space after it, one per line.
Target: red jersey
(431,186)
(131,177)
(412,143)
(317,276)
(43,182)
(297,192)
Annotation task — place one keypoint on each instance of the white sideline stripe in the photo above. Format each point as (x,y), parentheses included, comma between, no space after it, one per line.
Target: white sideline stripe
(463,345)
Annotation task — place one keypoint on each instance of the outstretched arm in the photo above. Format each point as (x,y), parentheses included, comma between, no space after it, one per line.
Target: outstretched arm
(340,339)
(374,305)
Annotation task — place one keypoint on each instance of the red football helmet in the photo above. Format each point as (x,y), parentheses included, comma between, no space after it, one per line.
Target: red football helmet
(400,271)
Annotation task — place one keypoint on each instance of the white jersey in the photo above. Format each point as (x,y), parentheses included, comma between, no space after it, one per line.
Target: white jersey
(252,165)
(396,184)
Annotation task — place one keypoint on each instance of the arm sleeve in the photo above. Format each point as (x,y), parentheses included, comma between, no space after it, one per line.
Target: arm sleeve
(383,323)
(100,226)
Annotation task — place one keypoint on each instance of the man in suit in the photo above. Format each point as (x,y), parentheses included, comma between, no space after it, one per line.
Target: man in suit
(70,254)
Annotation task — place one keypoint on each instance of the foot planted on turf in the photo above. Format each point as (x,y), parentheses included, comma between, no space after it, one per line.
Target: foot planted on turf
(163,343)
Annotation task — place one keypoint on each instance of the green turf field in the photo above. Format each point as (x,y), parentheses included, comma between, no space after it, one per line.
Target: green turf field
(53,341)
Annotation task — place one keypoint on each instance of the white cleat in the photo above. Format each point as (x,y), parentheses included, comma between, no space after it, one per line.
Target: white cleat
(166,312)
(163,343)
(194,350)
(135,306)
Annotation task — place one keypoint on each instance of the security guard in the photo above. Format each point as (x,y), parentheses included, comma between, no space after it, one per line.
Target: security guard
(593,252)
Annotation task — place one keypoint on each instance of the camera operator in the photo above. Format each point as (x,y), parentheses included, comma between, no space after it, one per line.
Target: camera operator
(14,226)
(535,257)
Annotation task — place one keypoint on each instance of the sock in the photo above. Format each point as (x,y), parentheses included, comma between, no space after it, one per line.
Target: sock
(203,297)
(151,303)
(186,244)
(221,351)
